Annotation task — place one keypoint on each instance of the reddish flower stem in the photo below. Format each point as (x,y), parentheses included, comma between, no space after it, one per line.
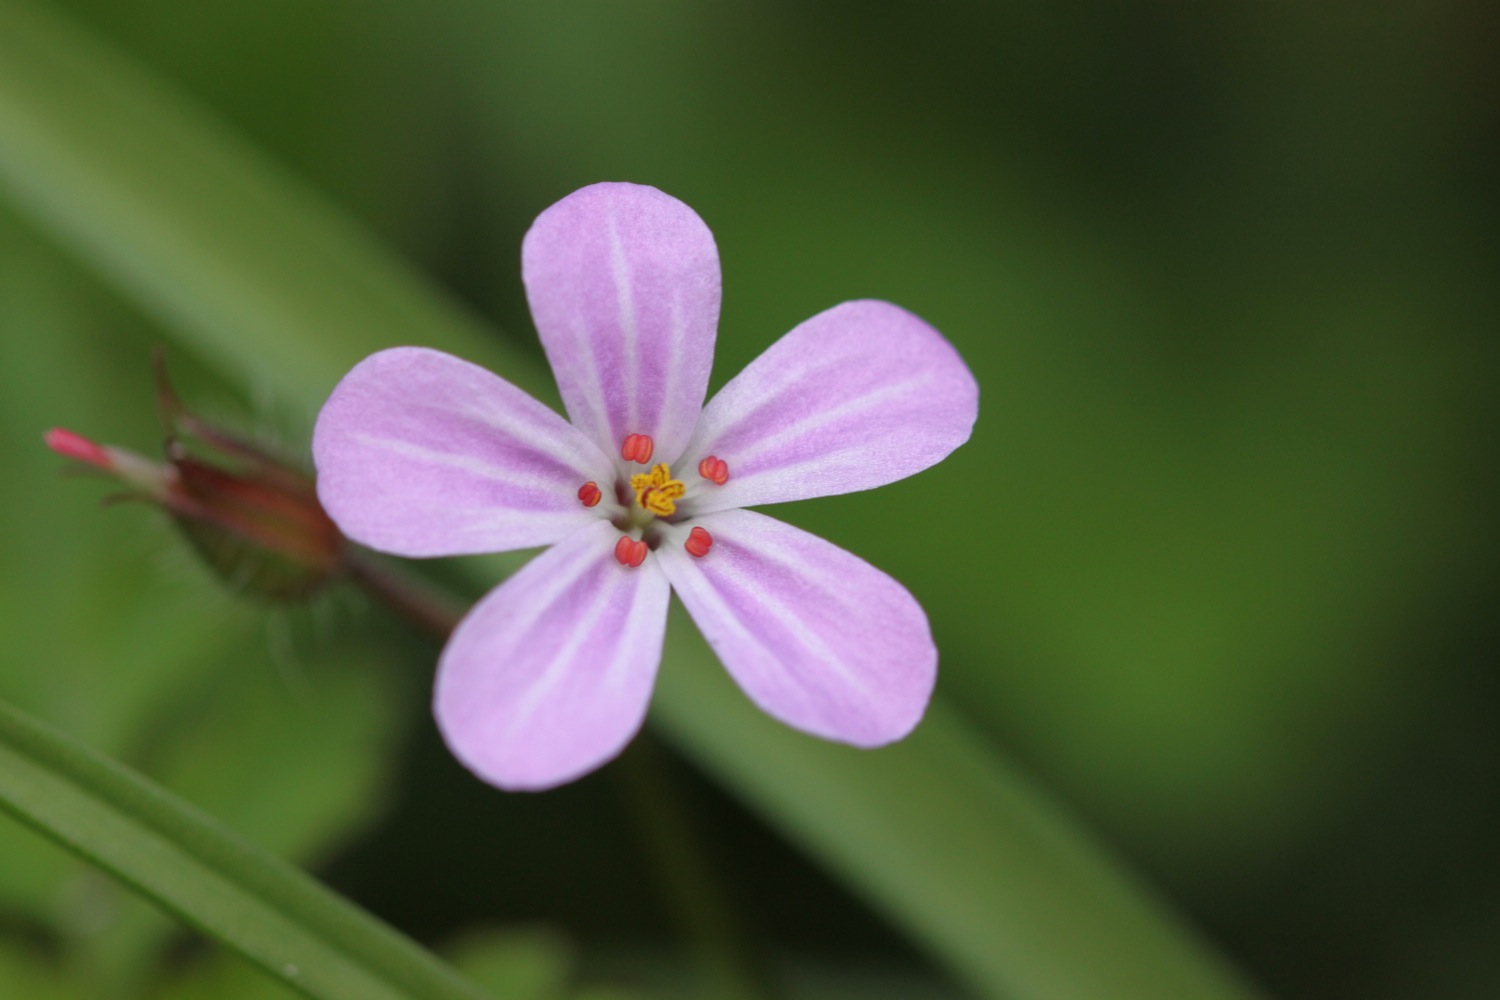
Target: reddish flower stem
(419,602)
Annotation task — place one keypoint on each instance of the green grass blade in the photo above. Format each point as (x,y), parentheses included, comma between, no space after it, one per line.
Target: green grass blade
(270,912)
(938,832)
(949,841)
(277,284)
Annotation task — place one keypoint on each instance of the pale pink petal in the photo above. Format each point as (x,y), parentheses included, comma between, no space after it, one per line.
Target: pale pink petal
(856,397)
(623,282)
(549,676)
(817,637)
(422,454)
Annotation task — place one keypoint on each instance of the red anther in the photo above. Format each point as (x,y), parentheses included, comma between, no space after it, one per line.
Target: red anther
(76,446)
(698,543)
(588,494)
(715,470)
(637,448)
(630,551)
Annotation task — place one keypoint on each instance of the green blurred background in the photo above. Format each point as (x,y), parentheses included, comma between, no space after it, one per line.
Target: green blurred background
(1218,566)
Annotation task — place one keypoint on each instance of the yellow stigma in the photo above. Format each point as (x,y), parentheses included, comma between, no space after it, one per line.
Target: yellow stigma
(656,491)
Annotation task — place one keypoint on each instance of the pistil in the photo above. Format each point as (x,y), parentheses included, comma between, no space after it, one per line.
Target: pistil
(656,495)
(656,491)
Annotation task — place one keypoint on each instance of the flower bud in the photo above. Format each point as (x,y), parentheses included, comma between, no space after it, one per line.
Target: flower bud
(253,518)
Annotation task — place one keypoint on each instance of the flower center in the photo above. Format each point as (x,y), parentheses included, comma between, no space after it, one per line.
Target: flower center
(656,491)
(656,495)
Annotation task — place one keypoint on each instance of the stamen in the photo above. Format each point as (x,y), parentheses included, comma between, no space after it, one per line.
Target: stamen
(588,494)
(637,448)
(698,543)
(657,491)
(715,470)
(630,551)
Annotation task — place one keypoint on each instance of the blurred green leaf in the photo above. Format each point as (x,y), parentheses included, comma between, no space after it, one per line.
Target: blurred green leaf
(294,760)
(223,977)
(156,665)
(528,964)
(938,832)
(518,964)
(287,758)
(271,913)
(94,163)
(947,839)
(23,974)
(126,629)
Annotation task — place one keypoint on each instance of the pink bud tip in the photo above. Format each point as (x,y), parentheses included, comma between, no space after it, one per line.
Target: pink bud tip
(76,446)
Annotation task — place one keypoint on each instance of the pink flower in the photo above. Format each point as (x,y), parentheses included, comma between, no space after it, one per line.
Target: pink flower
(549,676)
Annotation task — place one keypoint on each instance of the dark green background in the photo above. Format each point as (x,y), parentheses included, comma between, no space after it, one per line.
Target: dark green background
(1218,565)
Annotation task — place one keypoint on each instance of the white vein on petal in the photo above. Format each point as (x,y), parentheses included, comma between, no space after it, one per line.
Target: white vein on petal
(587,379)
(546,435)
(766,388)
(850,407)
(809,639)
(615,675)
(562,661)
(620,271)
(466,463)
(669,389)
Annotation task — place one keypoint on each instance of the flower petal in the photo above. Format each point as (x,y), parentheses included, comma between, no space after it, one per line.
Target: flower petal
(550,674)
(817,637)
(420,453)
(858,396)
(623,282)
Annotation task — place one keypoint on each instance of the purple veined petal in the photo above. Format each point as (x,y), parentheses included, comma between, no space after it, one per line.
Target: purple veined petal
(816,636)
(858,396)
(623,282)
(420,453)
(550,674)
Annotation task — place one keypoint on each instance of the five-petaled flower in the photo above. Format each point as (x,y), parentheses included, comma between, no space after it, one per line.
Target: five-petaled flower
(422,454)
